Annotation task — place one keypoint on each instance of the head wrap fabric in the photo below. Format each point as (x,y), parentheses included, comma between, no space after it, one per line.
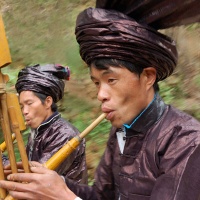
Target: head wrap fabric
(157,14)
(110,34)
(44,79)
(106,32)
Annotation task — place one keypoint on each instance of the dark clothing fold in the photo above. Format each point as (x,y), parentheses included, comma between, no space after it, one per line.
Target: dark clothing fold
(45,79)
(110,34)
(157,14)
(160,159)
(48,138)
(128,30)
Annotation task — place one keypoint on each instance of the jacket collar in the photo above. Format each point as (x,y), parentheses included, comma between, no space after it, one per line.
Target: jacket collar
(146,118)
(49,121)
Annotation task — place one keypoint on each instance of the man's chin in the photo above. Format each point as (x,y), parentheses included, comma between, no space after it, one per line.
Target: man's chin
(116,124)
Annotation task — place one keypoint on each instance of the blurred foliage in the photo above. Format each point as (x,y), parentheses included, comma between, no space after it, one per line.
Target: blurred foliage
(42,31)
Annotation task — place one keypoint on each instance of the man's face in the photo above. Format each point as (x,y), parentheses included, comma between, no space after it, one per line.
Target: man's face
(32,108)
(123,94)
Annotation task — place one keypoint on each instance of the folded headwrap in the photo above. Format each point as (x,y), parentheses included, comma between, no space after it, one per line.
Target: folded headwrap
(44,79)
(106,33)
(158,14)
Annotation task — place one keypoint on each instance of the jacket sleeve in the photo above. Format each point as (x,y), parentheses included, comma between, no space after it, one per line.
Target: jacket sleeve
(83,191)
(190,180)
(74,166)
(103,187)
(179,171)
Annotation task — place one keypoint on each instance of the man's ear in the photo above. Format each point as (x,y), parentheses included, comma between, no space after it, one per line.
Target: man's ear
(48,101)
(149,74)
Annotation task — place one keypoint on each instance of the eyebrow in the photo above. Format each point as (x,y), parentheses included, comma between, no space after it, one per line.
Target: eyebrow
(105,72)
(27,100)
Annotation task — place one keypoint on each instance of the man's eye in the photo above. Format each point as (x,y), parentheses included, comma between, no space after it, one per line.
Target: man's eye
(111,80)
(96,83)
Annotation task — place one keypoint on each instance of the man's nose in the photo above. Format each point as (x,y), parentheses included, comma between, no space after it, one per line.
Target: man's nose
(25,110)
(103,94)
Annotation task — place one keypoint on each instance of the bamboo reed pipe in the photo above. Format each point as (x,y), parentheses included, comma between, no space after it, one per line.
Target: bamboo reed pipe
(5,57)
(3,144)
(92,126)
(20,141)
(2,177)
(63,153)
(13,101)
(8,197)
(5,124)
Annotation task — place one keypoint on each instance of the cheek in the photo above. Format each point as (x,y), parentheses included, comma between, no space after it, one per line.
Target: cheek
(130,93)
(38,112)
(130,99)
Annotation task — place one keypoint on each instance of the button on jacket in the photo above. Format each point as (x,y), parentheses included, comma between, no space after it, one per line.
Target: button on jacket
(160,159)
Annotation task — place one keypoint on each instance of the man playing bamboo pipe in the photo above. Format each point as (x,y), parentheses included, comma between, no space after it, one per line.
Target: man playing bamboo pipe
(153,149)
(40,87)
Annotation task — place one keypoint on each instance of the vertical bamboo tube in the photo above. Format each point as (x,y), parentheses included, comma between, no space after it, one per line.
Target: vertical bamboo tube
(5,124)
(5,58)
(13,101)
(20,142)
(2,177)
(17,124)
(63,153)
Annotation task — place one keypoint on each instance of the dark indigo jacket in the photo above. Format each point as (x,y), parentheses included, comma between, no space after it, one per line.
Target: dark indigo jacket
(49,137)
(160,161)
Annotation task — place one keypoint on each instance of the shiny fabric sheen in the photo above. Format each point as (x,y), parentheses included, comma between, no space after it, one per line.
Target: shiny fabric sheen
(44,79)
(50,137)
(157,14)
(160,160)
(111,34)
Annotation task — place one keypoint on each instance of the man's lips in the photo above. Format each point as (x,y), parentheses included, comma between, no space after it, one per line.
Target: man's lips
(27,121)
(109,113)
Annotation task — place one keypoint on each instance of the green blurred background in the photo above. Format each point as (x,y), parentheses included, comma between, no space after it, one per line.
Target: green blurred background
(42,31)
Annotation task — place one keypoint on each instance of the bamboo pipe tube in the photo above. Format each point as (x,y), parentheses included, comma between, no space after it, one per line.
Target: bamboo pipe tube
(63,153)
(8,197)
(2,177)
(5,58)
(13,101)
(3,144)
(18,124)
(20,141)
(5,124)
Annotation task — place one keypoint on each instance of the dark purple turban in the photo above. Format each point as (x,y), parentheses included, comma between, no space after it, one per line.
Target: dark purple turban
(45,79)
(107,32)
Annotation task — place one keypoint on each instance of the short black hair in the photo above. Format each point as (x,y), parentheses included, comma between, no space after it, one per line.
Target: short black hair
(42,97)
